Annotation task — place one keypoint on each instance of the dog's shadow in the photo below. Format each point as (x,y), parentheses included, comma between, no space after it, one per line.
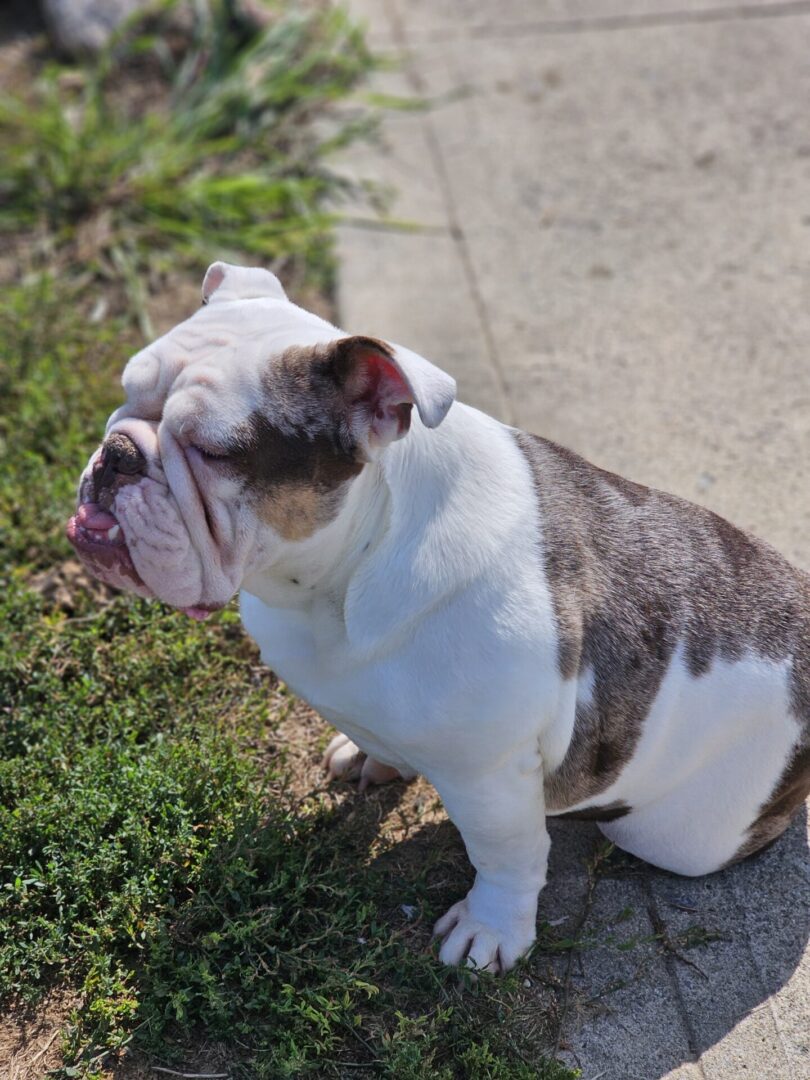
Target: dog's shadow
(651,970)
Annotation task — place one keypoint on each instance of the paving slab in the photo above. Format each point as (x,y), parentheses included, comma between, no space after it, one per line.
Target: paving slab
(472,18)
(647,248)
(403,311)
(609,205)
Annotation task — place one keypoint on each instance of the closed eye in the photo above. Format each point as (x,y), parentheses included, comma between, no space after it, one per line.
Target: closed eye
(208,455)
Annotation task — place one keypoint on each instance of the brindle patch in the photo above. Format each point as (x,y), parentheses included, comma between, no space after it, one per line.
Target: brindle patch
(633,572)
(296,455)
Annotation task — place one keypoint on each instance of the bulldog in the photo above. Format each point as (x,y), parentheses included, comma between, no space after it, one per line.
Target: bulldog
(460,599)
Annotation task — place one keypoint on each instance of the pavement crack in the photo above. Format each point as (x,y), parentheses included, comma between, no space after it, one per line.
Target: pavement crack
(589,24)
(669,958)
(587,906)
(662,930)
(506,411)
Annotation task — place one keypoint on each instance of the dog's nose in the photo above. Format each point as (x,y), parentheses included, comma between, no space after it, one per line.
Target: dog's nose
(122,455)
(119,457)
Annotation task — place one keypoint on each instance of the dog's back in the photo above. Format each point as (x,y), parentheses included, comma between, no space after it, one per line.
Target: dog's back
(646,586)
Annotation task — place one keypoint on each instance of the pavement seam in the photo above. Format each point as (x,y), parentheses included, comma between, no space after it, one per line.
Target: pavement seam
(610,23)
(381,225)
(506,411)
(564,1004)
(669,962)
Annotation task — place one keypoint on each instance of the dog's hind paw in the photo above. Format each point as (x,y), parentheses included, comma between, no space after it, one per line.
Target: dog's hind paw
(344,760)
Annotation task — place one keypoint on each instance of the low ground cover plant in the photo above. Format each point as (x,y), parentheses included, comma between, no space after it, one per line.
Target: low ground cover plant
(177,888)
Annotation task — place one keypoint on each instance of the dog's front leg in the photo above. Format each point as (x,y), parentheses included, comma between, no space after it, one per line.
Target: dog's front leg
(501,817)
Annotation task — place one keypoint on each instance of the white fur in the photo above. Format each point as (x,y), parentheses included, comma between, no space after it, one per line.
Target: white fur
(709,756)
(420,622)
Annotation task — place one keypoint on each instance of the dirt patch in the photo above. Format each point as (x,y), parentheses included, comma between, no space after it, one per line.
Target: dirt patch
(209,1061)
(29,1039)
(68,585)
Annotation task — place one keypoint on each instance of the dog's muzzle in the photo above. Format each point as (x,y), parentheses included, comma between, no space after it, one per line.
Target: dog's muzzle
(94,530)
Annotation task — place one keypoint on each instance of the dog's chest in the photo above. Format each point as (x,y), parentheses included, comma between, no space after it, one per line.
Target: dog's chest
(310,652)
(450,688)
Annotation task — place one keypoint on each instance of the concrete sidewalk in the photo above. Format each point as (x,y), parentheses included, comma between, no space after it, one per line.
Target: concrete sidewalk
(610,246)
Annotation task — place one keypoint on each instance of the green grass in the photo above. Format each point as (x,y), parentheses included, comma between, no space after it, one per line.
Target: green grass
(160,857)
(120,185)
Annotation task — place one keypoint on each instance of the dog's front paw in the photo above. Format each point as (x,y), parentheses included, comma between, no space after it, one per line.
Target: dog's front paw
(344,760)
(488,940)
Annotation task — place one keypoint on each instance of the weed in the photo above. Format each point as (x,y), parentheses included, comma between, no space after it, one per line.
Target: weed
(236,166)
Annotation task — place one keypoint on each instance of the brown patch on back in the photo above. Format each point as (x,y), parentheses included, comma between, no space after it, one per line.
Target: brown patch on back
(633,572)
(296,454)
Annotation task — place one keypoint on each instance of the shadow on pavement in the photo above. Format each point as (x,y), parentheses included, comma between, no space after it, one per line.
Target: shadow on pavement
(667,966)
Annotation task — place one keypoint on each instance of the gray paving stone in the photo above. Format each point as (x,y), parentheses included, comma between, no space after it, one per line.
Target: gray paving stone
(399,158)
(620,988)
(637,224)
(715,1004)
(466,17)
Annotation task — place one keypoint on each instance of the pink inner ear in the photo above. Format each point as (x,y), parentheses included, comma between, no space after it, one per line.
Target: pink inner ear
(213,280)
(386,395)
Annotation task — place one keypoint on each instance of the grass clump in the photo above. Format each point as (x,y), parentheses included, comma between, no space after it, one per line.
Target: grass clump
(226,154)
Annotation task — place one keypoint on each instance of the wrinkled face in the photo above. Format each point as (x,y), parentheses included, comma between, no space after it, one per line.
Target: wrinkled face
(242,432)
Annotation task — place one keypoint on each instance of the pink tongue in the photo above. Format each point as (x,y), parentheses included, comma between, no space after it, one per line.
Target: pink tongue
(91,516)
(198,613)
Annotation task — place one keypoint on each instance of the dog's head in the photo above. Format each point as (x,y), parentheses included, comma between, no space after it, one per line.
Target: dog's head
(243,430)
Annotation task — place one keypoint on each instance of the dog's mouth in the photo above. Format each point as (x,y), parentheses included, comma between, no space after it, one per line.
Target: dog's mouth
(92,526)
(100,543)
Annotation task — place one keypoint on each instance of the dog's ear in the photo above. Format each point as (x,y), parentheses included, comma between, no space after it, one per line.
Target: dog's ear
(380,384)
(225,282)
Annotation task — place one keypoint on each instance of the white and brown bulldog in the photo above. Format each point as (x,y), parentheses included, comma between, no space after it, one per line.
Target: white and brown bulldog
(534,635)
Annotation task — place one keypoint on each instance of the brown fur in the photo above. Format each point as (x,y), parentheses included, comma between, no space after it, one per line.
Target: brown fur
(297,454)
(633,572)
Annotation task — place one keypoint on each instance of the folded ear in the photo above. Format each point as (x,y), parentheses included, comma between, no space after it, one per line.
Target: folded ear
(381,383)
(225,282)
